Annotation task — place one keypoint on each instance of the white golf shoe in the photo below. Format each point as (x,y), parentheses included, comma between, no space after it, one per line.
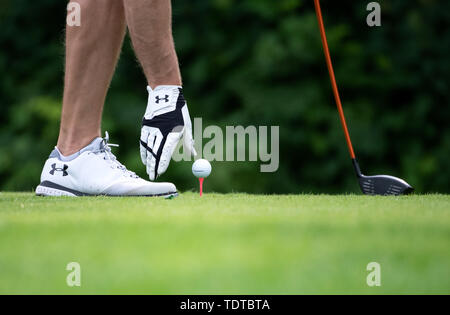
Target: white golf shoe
(92,171)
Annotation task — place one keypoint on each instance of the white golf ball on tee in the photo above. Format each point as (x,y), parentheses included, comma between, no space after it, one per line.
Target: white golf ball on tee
(201,168)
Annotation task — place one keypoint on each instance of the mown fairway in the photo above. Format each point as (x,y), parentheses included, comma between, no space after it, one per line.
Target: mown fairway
(229,244)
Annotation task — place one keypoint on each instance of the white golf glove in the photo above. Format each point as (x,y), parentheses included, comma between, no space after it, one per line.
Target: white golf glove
(166,120)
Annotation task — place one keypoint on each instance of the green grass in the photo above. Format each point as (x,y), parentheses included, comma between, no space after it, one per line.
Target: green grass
(225,244)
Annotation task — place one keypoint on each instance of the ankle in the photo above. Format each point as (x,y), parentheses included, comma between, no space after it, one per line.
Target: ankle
(69,147)
(170,83)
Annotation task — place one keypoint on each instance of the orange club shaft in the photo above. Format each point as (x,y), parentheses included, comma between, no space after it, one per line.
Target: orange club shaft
(333,78)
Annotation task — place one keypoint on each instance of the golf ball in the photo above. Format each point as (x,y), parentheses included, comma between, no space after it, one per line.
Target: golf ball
(201,168)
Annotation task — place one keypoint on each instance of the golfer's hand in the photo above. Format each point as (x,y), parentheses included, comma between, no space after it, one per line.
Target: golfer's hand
(165,122)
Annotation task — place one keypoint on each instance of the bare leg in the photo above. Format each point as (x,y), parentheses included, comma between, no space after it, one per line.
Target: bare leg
(92,50)
(150,26)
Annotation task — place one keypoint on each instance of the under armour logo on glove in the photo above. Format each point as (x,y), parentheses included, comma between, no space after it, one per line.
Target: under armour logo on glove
(59,169)
(157,99)
(164,124)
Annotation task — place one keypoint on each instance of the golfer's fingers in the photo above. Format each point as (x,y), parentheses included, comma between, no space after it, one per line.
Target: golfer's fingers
(169,147)
(152,167)
(143,144)
(188,139)
(150,158)
(189,142)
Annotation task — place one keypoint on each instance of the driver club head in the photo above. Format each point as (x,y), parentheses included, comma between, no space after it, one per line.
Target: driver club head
(383,185)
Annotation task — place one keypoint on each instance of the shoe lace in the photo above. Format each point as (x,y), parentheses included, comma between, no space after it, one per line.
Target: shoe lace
(105,150)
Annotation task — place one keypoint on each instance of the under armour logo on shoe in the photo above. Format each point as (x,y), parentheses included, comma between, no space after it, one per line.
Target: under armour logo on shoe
(59,169)
(166,99)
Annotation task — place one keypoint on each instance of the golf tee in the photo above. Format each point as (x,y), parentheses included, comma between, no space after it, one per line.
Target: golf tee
(201,185)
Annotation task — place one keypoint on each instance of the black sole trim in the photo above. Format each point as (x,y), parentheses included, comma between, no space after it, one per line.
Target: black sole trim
(50,184)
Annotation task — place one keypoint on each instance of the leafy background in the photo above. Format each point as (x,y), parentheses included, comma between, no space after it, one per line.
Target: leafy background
(254,62)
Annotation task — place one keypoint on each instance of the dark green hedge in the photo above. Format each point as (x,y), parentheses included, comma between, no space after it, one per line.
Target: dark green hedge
(255,62)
